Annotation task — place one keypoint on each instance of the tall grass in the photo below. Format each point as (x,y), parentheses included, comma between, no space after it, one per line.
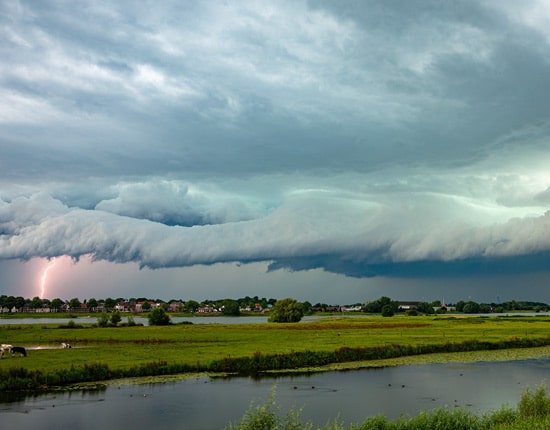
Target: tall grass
(23,379)
(249,349)
(532,413)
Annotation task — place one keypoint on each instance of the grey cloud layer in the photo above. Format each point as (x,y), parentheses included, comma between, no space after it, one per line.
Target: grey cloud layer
(307,134)
(308,226)
(132,89)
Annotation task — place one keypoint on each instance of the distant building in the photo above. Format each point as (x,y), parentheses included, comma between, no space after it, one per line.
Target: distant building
(407,306)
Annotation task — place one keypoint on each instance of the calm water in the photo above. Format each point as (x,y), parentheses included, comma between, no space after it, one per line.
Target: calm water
(207,319)
(144,321)
(205,403)
(138,320)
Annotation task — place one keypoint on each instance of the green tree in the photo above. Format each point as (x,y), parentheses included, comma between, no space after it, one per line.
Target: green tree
(425,308)
(471,308)
(19,302)
(92,303)
(74,303)
(115,318)
(158,316)
(387,310)
(377,305)
(9,302)
(36,303)
(110,303)
(103,320)
(484,308)
(146,306)
(286,310)
(231,307)
(191,305)
(56,303)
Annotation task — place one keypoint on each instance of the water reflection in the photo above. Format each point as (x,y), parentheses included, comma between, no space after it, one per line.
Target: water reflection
(204,403)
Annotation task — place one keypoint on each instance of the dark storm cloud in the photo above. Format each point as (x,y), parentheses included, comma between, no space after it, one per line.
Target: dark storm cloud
(370,138)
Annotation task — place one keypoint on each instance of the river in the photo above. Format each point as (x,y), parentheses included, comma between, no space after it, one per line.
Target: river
(350,396)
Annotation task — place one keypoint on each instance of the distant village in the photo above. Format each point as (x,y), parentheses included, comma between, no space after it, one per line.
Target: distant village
(253,305)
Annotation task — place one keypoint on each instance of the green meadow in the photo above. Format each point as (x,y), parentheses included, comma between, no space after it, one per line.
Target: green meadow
(327,343)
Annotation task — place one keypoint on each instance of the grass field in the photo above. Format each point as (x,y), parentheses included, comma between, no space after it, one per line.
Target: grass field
(124,347)
(121,348)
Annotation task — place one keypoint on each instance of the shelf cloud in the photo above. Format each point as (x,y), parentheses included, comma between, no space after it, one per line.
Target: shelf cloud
(370,139)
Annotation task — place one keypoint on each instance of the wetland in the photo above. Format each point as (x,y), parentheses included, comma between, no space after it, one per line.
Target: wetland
(486,376)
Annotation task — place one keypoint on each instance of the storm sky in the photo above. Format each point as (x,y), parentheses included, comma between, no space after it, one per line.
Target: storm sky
(327,151)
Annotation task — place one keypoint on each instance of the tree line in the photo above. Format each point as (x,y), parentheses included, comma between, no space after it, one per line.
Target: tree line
(384,305)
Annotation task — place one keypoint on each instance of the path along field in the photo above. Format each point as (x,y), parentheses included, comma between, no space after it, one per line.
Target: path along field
(123,347)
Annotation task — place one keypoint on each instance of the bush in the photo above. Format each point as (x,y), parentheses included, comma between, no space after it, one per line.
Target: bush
(268,417)
(115,318)
(534,404)
(158,316)
(103,320)
(286,311)
(387,311)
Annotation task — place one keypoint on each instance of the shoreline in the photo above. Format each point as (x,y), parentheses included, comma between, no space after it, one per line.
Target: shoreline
(457,358)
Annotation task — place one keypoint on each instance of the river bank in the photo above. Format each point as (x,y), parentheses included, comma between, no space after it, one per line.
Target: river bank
(100,354)
(342,397)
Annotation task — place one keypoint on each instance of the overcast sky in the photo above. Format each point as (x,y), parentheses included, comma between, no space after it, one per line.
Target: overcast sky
(327,151)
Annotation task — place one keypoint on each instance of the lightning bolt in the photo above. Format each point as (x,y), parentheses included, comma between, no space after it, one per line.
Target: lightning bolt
(44,278)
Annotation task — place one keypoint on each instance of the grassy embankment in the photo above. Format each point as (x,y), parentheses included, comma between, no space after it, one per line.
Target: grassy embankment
(531,413)
(114,352)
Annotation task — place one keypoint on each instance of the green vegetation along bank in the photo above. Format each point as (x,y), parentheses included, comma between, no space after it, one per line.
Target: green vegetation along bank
(104,353)
(531,413)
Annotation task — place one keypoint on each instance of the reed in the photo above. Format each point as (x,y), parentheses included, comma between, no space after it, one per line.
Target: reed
(532,412)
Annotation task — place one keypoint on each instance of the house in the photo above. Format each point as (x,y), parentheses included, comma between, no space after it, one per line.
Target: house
(139,306)
(407,306)
(206,309)
(124,306)
(351,308)
(176,306)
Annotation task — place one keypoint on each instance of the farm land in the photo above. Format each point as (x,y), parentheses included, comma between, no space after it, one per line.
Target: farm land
(180,348)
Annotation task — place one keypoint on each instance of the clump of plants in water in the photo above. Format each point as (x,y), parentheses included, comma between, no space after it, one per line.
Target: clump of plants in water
(532,413)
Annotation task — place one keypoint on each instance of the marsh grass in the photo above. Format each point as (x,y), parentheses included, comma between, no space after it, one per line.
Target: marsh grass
(241,348)
(532,413)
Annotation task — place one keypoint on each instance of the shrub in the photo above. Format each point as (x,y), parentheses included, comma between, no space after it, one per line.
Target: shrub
(267,417)
(103,320)
(387,311)
(534,404)
(286,311)
(115,318)
(158,316)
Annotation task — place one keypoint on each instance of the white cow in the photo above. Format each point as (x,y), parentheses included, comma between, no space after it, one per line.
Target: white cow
(5,348)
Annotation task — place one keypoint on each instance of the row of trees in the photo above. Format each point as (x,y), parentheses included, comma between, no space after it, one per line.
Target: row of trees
(383,305)
(20,303)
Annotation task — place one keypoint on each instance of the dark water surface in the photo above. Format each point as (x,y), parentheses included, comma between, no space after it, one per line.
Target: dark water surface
(351,396)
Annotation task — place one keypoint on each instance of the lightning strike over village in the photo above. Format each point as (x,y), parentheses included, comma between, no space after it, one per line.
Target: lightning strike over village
(269,194)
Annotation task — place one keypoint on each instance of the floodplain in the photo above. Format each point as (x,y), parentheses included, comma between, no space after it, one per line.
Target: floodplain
(183,348)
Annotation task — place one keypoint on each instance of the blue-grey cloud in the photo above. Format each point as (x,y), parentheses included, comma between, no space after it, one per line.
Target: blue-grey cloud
(372,138)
